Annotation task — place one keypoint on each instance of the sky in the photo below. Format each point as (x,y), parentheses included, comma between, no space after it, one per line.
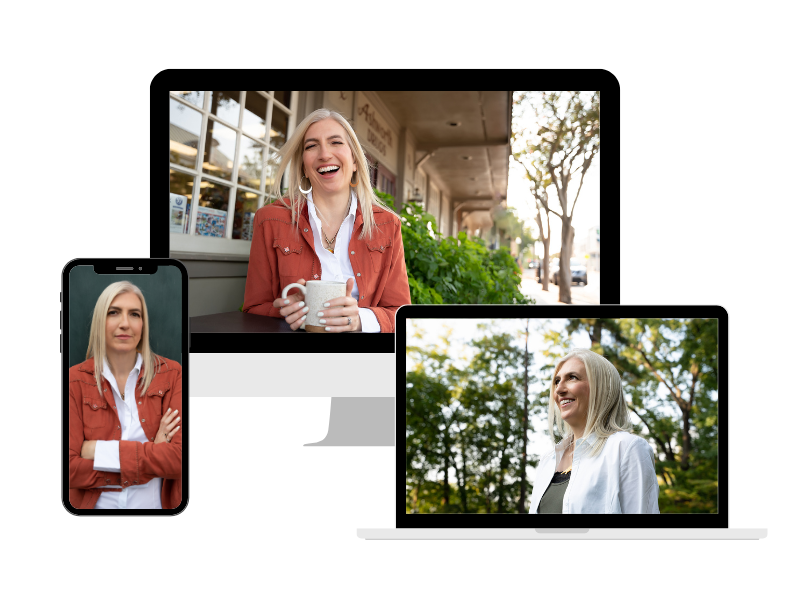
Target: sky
(587,210)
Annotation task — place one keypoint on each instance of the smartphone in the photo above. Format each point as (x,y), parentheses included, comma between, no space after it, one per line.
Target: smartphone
(125,386)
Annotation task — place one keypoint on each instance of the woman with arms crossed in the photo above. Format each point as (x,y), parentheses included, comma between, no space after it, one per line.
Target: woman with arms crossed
(331,227)
(124,432)
(599,466)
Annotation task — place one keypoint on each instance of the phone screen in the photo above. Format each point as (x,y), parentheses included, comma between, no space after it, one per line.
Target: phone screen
(124,380)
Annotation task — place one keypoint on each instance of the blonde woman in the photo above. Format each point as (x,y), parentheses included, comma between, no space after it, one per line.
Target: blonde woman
(599,466)
(125,440)
(329,227)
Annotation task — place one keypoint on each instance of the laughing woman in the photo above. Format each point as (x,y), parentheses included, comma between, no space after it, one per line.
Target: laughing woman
(599,466)
(330,227)
(125,442)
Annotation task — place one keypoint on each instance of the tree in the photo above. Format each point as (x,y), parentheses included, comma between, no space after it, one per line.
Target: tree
(471,420)
(565,143)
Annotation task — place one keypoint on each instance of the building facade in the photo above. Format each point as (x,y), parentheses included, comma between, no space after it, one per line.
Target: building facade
(448,150)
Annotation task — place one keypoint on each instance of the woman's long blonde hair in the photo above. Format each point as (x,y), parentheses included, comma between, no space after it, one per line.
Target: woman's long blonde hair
(97,334)
(608,411)
(290,161)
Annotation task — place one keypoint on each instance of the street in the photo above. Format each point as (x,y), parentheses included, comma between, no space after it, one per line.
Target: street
(589,294)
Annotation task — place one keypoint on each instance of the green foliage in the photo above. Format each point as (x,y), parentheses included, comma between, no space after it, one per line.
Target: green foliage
(464,424)
(448,270)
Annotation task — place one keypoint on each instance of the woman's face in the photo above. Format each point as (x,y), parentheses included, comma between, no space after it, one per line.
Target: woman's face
(124,323)
(325,149)
(571,392)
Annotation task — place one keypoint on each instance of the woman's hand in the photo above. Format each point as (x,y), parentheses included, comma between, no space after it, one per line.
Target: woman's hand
(168,426)
(294,308)
(335,318)
(87,449)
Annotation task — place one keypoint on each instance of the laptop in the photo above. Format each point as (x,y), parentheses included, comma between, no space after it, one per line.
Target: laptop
(474,387)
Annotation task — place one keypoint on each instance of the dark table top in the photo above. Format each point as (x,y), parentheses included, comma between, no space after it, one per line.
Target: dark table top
(239,322)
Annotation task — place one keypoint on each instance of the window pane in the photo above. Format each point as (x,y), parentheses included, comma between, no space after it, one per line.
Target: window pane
(195,98)
(270,168)
(184,134)
(226,106)
(180,201)
(251,159)
(280,125)
(284,98)
(244,211)
(219,150)
(212,209)
(254,120)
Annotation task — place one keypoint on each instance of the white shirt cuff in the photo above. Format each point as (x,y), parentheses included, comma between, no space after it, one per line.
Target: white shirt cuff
(369,322)
(106,456)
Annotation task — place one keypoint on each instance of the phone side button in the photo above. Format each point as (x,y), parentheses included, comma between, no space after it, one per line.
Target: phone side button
(60,345)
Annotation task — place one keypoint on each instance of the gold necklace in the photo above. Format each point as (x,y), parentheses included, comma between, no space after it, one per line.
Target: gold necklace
(330,243)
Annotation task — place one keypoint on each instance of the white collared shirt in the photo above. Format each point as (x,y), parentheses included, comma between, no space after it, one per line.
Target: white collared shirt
(106,453)
(620,480)
(336,266)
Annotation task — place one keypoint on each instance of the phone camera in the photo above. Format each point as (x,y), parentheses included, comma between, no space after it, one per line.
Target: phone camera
(140,268)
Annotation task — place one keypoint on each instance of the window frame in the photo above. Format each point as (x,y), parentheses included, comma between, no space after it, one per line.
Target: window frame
(190,242)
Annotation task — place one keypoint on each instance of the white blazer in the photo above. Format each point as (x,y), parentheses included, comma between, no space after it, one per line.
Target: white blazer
(619,480)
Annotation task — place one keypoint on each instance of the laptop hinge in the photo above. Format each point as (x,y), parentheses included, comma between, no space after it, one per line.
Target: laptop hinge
(563,530)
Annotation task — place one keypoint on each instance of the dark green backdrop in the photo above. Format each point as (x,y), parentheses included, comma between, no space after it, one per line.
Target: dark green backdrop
(162,292)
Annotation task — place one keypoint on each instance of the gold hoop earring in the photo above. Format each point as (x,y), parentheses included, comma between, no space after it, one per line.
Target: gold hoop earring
(352,185)
(300,185)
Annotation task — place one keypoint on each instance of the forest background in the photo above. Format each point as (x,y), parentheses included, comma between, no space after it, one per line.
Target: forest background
(477,394)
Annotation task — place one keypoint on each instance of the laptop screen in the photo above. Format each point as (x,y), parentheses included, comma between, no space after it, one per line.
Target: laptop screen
(560,413)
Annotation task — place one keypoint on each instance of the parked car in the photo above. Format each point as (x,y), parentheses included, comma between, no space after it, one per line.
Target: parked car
(578,269)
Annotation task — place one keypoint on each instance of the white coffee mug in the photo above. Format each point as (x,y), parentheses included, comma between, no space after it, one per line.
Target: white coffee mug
(316,294)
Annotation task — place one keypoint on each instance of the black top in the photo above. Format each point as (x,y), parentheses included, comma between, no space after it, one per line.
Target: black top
(553,498)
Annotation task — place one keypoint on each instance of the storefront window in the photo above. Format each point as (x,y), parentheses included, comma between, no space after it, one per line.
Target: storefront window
(195,98)
(280,125)
(254,119)
(244,211)
(219,150)
(237,129)
(212,209)
(184,134)
(225,105)
(251,160)
(180,201)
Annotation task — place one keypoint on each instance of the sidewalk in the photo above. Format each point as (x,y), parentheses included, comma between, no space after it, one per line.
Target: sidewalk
(589,294)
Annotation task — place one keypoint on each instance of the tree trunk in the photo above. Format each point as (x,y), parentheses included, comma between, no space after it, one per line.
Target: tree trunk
(546,243)
(523,483)
(462,490)
(564,270)
(546,265)
(446,490)
(597,333)
(687,441)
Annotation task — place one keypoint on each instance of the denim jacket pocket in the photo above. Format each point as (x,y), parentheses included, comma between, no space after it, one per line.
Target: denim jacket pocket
(380,252)
(289,256)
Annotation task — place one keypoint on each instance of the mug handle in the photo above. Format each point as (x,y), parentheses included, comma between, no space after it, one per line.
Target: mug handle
(290,286)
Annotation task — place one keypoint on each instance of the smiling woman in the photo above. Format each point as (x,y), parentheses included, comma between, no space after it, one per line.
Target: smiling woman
(329,226)
(125,443)
(599,466)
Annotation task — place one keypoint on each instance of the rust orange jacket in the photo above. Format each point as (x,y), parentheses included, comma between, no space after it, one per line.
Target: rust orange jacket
(93,416)
(281,253)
